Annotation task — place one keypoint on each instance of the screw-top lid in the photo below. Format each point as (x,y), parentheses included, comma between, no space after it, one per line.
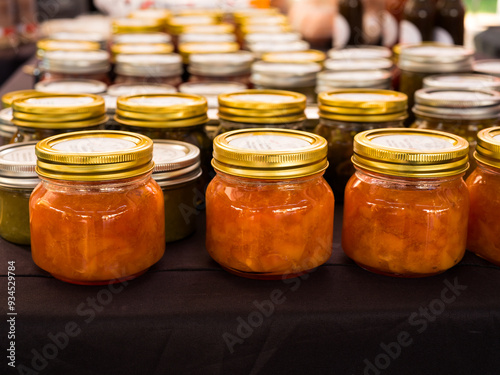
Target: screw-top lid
(491,67)
(240,15)
(8,98)
(363,105)
(220,64)
(462,82)
(177,24)
(359,52)
(72,86)
(17,166)
(94,155)
(265,29)
(436,59)
(45,45)
(330,80)
(358,64)
(161,110)
(457,104)
(300,57)
(78,36)
(211,90)
(146,38)
(76,62)
(220,28)
(149,65)
(488,147)
(264,19)
(282,37)
(262,106)
(176,162)
(142,48)
(59,111)
(187,49)
(260,48)
(411,152)
(137,25)
(284,75)
(206,38)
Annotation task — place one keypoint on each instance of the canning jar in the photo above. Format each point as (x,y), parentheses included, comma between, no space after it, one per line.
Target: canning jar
(292,76)
(406,207)
(269,210)
(461,112)
(491,67)
(484,185)
(37,118)
(137,25)
(345,112)
(179,117)
(7,128)
(261,109)
(216,67)
(419,61)
(149,68)
(462,82)
(17,181)
(370,79)
(97,217)
(75,65)
(177,171)
(71,86)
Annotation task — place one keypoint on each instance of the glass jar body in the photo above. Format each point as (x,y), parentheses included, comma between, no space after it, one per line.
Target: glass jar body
(99,76)
(340,137)
(269,229)
(14,214)
(405,227)
(484,221)
(24,134)
(226,125)
(466,128)
(97,233)
(175,80)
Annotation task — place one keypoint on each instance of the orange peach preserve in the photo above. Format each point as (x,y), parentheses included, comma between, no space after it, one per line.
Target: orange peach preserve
(261,228)
(84,235)
(404,227)
(484,222)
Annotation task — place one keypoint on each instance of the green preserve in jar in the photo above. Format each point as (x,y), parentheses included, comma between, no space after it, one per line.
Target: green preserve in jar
(261,109)
(177,171)
(17,180)
(345,112)
(461,112)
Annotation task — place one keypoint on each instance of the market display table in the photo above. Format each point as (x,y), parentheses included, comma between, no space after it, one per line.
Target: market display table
(188,316)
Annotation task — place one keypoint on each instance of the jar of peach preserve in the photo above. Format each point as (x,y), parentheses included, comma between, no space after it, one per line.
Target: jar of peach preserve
(406,207)
(97,217)
(484,184)
(269,209)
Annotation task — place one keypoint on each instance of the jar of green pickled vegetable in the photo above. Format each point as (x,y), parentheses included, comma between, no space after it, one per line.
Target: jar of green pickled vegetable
(177,171)
(345,112)
(461,112)
(17,180)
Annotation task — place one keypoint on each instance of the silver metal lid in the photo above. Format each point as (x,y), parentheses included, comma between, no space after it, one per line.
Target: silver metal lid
(359,52)
(211,90)
(176,162)
(206,38)
(491,66)
(78,36)
(457,104)
(463,81)
(75,62)
(220,64)
(17,165)
(149,65)
(260,48)
(330,80)
(72,86)
(436,59)
(146,38)
(284,75)
(361,64)
(283,37)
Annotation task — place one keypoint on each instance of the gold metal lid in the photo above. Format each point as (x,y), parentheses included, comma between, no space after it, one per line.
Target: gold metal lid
(161,14)
(488,147)
(220,28)
(147,38)
(186,49)
(411,152)
(177,24)
(260,28)
(94,156)
(142,48)
(8,98)
(241,14)
(275,154)
(308,56)
(66,45)
(137,25)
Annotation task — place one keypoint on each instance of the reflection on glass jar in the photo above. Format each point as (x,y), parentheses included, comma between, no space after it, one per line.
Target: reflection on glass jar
(406,207)
(269,210)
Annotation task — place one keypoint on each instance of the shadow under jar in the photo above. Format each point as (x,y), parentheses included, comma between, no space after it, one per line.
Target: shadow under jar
(406,207)
(269,210)
(97,217)
(343,114)
(484,185)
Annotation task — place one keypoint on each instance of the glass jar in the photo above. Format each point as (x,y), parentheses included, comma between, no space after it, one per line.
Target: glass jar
(17,181)
(345,112)
(279,37)
(349,28)
(93,65)
(177,171)
(152,68)
(261,48)
(77,36)
(418,21)
(97,216)
(419,61)
(7,128)
(141,49)
(177,24)
(361,52)
(47,45)
(178,117)
(406,207)
(261,109)
(297,77)
(461,112)
(216,67)
(72,86)
(269,210)
(39,117)
(370,79)
(137,25)
(483,185)
(463,82)
(491,67)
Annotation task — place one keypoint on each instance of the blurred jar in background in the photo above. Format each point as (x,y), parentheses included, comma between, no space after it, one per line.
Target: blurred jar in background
(8,35)
(450,16)
(417,24)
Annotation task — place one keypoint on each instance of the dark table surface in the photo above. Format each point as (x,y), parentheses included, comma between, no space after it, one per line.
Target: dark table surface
(188,316)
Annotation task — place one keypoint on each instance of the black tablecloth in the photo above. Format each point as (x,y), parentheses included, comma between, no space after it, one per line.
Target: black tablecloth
(188,316)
